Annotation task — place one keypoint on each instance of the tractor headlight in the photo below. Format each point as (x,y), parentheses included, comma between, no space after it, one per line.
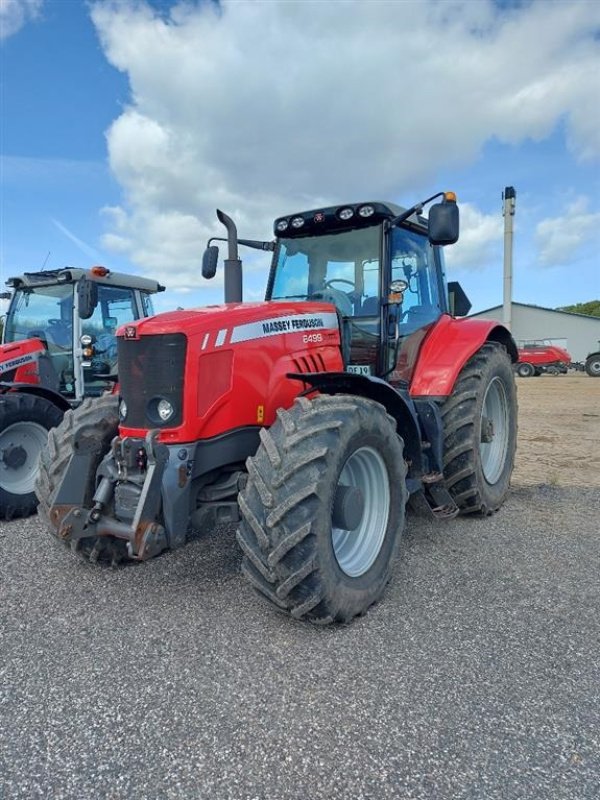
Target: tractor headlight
(282,225)
(366,211)
(122,409)
(160,410)
(297,222)
(345,213)
(165,410)
(86,340)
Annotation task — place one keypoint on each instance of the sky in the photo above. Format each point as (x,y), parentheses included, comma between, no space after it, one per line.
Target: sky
(124,125)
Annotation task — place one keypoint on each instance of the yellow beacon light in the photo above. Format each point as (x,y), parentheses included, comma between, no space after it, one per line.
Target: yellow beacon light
(450,197)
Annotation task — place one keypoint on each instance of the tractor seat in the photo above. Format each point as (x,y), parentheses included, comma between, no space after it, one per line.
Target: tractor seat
(370,307)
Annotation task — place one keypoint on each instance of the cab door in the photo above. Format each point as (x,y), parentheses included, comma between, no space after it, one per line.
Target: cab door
(413,260)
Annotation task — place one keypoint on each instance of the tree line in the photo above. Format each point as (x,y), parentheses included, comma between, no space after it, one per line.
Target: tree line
(590,309)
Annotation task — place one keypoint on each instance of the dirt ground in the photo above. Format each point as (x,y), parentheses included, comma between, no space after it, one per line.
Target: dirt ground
(559,431)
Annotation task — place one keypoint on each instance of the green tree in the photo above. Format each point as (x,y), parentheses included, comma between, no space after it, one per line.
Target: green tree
(590,309)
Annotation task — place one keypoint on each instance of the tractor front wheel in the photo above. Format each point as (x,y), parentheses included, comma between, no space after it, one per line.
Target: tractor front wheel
(100,417)
(480,432)
(323,509)
(25,420)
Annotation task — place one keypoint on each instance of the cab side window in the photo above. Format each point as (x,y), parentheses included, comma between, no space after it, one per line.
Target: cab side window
(413,261)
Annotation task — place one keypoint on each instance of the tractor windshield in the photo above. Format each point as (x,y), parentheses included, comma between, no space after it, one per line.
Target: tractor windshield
(42,312)
(46,313)
(341,268)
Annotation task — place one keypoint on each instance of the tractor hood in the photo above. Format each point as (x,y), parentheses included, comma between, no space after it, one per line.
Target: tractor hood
(241,320)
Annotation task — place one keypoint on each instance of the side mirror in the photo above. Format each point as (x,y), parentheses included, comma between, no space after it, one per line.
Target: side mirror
(209,261)
(5,295)
(443,223)
(459,303)
(87,297)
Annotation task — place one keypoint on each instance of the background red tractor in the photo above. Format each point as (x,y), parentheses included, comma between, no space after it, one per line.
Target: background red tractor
(59,346)
(309,419)
(540,356)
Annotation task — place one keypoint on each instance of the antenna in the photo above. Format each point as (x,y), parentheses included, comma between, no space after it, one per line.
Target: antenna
(45,261)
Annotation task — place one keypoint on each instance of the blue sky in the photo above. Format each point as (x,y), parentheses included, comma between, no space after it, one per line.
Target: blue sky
(124,125)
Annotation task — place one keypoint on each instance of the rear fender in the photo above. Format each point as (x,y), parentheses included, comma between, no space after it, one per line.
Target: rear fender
(448,347)
(397,404)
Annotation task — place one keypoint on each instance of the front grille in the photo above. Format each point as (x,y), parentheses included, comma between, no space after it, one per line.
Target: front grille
(152,367)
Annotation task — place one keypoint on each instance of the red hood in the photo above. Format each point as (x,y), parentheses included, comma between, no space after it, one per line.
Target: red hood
(209,318)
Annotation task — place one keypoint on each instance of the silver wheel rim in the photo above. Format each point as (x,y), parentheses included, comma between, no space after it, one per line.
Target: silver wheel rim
(357,550)
(595,367)
(495,411)
(32,438)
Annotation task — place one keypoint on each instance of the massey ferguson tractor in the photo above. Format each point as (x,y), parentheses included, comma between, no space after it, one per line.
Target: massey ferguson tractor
(309,419)
(59,347)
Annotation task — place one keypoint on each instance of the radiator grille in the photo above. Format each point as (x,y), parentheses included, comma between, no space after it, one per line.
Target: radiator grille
(151,367)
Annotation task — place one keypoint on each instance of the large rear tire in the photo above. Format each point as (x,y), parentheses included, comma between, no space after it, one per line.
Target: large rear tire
(100,416)
(323,509)
(25,420)
(592,365)
(480,432)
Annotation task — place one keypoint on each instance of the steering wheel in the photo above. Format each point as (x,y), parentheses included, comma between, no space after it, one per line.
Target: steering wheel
(339,280)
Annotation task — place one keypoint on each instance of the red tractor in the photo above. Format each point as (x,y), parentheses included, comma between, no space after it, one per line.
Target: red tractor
(59,346)
(310,419)
(540,356)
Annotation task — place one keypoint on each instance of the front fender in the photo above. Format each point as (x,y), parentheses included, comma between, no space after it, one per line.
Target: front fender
(447,348)
(397,404)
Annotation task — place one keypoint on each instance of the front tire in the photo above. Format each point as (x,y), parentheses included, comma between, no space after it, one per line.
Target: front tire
(25,420)
(480,432)
(100,416)
(323,509)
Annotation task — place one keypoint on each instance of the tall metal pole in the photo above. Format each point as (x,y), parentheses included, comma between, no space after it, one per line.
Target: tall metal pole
(509,197)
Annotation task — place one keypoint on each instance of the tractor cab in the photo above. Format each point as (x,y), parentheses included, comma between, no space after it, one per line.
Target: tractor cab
(381,266)
(75,314)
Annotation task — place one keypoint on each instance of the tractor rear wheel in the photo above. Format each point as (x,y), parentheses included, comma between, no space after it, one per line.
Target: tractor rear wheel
(525,370)
(592,365)
(323,510)
(480,432)
(99,415)
(25,420)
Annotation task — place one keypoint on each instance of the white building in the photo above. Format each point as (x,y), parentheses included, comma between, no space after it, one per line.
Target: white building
(578,333)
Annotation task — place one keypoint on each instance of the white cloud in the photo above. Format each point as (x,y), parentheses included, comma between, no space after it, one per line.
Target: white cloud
(15,13)
(480,238)
(264,108)
(561,239)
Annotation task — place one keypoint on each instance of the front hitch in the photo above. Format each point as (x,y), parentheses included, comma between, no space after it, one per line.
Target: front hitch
(74,521)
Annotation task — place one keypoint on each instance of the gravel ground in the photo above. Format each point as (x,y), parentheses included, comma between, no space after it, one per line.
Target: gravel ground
(476,677)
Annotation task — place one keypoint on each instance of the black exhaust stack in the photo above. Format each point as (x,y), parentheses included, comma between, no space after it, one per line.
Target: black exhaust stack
(233,264)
